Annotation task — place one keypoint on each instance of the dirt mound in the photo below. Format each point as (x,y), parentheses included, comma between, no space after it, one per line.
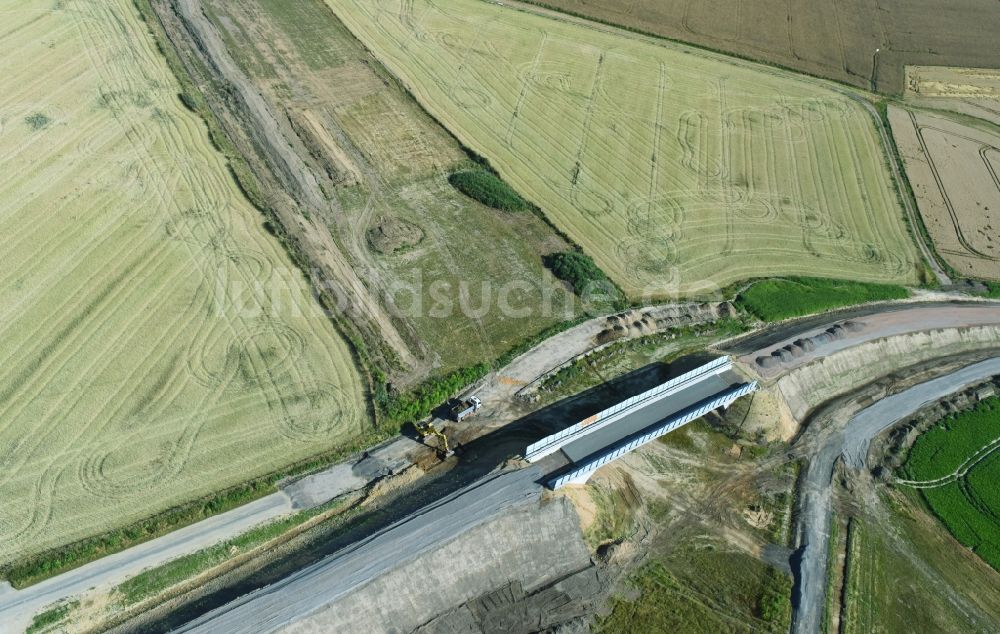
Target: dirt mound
(636,323)
(390,235)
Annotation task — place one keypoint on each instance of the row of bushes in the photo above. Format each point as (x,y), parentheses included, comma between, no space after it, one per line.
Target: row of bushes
(587,279)
(489,189)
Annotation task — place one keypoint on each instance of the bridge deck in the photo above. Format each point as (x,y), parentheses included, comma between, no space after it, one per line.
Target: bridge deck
(585,446)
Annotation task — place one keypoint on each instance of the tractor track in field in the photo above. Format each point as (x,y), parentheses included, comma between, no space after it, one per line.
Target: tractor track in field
(193,35)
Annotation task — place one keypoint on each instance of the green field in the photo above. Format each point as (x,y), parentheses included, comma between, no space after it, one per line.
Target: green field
(701,590)
(157,344)
(957,467)
(772,300)
(900,573)
(677,170)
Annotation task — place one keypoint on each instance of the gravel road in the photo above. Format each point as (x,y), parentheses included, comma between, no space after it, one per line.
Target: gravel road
(890,321)
(852,443)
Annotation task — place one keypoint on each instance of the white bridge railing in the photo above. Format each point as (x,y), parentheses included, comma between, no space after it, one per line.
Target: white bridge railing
(551,444)
(582,471)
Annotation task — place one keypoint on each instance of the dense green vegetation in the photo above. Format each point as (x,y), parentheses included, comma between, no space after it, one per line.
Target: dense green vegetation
(776,299)
(419,403)
(583,274)
(970,508)
(945,446)
(487,188)
(970,505)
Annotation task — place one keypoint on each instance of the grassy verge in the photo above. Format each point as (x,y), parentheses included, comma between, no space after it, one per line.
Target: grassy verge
(615,518)
(48,619)
(776,299)
(831,576)
(860,569)
(151,582)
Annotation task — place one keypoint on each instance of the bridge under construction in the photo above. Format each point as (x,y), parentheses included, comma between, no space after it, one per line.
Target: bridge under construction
(621,428)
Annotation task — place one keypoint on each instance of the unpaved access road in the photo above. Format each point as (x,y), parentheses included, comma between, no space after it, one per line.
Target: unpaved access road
(852,442)
(871,323)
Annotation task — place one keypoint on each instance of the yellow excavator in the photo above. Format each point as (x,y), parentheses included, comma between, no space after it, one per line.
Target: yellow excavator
(428,429)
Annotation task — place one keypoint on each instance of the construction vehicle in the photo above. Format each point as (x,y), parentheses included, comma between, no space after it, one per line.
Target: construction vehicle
(465,408)
(428,429)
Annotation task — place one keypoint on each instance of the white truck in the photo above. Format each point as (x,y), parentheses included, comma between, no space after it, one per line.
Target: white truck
(465,408)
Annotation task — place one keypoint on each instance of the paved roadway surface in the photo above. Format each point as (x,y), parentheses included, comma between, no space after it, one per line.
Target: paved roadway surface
(18,606)
(276,606)
(852,442)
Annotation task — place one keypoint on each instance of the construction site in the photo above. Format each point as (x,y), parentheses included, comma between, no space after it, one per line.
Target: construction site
(453,316)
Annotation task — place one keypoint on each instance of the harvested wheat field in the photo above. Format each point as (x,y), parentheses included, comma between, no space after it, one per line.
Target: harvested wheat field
(679,171)
(953,169)
(156,343)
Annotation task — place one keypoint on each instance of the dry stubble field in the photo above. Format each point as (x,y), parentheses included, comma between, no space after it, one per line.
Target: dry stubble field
(953,169)
(679,171)
(137,371)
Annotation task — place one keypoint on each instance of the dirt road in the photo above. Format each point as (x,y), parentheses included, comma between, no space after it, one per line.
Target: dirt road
(868,324)
(852,442)
(339,276)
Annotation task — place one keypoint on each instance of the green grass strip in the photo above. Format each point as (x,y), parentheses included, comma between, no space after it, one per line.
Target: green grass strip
(776,299)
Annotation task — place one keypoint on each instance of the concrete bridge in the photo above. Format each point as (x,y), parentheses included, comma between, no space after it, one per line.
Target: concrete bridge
(617,430)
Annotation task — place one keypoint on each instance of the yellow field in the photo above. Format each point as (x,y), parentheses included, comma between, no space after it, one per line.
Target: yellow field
(678,170)
(953,170)
(137,368)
